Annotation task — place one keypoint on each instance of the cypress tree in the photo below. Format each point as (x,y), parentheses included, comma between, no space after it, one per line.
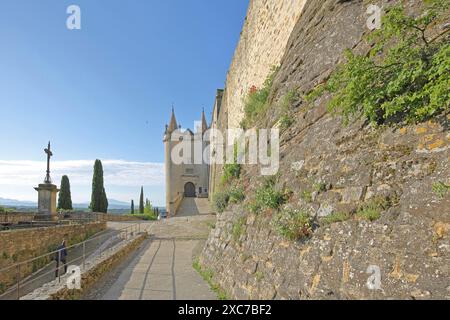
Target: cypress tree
(141,201)
(99,201)
(65,198)
(132,206)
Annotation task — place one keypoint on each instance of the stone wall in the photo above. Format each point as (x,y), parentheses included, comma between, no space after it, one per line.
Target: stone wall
(352,165)
(95,268)
(264,36)
(16,217)
(21,245)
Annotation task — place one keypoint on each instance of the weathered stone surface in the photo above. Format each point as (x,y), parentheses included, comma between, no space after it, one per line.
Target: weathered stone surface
(357,163)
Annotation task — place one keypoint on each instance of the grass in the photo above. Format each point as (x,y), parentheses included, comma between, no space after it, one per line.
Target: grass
(238,229)
(293,225)
(320,187)
(208,276)
(369,213)
(307,196)
(259,276)
(287,120)
(336,217)
(440,189)
(372,209)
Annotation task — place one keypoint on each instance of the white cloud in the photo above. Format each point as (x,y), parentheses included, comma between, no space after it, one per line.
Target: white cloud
(118,174)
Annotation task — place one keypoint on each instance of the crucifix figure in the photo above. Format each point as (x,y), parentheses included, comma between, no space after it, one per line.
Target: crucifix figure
(49,154)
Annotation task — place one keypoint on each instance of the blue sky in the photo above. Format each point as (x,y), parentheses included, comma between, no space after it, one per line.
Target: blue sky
(106,91)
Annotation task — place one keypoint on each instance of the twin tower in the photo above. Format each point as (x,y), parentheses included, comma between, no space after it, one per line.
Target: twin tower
(188,179)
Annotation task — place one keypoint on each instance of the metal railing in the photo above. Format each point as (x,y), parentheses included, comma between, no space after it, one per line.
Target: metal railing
(81,251)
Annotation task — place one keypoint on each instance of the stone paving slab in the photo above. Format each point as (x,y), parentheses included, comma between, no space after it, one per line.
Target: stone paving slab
(163,272)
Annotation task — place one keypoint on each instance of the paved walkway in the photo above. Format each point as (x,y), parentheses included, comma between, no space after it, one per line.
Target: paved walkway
(162,267)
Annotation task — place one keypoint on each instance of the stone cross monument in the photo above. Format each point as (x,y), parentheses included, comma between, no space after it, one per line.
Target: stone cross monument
(47,193)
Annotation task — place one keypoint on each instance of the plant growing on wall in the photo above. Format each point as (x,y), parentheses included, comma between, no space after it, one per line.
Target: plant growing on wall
(405,76)
(256,101)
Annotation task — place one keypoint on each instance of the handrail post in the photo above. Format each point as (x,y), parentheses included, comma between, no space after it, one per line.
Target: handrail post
(59,269)
(84,255)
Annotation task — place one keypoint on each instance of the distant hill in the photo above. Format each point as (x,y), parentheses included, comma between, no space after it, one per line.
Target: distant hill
(113,204)
(16,203)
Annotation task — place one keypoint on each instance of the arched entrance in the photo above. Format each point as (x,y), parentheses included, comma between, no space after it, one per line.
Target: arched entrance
(189,190)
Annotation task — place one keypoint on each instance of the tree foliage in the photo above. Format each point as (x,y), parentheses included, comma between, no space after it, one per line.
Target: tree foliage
(405,76)
(132,207)
(99,201)
(141,201)
(148,207)
(65,198)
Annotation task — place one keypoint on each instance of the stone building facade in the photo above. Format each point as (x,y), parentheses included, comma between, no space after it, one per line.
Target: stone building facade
(187,175)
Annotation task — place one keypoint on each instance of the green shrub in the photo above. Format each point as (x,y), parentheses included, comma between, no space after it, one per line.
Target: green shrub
(336,217)
(230,171)
(256,102)
(145,216)
(288,99)
(6,210)
(293,224)
(236,194)
(441,189)
(286,121)
(267,197)
(406,75)
(220,200)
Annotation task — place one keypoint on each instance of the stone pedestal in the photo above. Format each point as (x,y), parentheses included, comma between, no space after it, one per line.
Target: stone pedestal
(47,201)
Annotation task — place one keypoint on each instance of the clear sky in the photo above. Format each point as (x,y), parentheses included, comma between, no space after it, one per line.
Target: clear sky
(106,91)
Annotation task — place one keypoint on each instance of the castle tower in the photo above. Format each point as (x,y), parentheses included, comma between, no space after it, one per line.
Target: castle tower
(190,179)
(169,168)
